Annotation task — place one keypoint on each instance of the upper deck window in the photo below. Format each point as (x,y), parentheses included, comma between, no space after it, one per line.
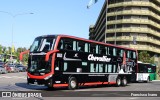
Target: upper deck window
(42,44)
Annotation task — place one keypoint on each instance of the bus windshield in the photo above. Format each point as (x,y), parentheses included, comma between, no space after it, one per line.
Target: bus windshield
(42,44)
(38,65)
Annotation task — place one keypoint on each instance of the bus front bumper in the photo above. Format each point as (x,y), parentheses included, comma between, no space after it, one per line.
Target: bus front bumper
(36,81)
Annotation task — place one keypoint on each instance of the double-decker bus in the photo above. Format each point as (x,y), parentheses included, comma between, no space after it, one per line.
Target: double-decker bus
(62,60)
(146,72)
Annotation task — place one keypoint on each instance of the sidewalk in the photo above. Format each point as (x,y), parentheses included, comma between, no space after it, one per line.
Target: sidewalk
(155,80)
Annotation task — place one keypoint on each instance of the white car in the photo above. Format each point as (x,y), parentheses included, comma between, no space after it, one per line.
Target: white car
(2,70)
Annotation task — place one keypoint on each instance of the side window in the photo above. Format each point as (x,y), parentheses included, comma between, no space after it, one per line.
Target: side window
(92,69)
(101,68)
(84,63)
(74,46)
(92,48)
(128,54)
(134,55)
(106,48)
(121,53)
(81,46)
(96,67)
(114,51)
(114,68)
(110,51)
(102,50)
(68,44)
(61,44)
(106,68)
(86,47)
(97,49)
(131,54)
(65,66)
(109,68)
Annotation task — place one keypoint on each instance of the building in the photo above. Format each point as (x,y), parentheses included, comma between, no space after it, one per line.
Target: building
(130,23)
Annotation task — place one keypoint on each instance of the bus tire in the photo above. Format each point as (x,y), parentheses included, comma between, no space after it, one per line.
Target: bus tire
(27,81)
(147,80)
(50,84)
(118,81)
(72,83)
(124,81)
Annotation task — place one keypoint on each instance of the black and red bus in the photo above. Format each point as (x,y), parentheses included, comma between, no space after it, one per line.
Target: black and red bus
(62,60)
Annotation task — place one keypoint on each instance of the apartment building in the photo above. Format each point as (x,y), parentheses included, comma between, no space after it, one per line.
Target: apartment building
(130,23)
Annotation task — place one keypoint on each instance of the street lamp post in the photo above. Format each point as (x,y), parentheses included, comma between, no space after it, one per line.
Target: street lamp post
(13,18)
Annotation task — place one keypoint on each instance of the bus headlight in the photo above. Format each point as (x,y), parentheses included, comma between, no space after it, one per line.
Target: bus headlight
(46,78)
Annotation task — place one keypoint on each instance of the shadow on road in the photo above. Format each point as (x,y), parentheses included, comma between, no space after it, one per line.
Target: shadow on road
(44,88)
(30,87)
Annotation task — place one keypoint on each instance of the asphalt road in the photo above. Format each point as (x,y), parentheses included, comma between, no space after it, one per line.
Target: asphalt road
(17,82)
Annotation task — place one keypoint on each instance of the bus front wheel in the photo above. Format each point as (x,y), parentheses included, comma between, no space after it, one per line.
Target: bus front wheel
(49,84)
(72,83)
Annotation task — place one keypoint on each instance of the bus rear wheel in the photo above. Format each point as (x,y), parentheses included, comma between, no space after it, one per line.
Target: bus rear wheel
(118,81)
(124,81)
(72,83)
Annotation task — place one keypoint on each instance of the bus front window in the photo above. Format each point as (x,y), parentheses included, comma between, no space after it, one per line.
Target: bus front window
(42,44)
(36,61)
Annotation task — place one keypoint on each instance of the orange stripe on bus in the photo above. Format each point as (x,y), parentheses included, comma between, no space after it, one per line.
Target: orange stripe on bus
(112,82)
(99,83)
(85,84)
(60,85)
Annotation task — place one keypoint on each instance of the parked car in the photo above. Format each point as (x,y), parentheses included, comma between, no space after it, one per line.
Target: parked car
(1,63)
(21,68)
(2,70)
(7,68)
(13,68)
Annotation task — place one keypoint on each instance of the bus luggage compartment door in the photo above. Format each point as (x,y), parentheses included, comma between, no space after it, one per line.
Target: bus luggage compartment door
(112,78)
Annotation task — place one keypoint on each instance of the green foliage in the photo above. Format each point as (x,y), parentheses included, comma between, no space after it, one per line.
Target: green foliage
(7,50)
(145,57)
(1,49)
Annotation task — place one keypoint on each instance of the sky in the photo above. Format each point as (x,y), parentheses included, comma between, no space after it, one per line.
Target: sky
(69,17)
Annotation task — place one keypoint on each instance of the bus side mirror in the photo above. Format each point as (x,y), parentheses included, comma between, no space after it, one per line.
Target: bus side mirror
(49,53)
(22,53)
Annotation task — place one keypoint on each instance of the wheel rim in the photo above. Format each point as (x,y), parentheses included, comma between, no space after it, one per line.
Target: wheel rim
(73,84)
(118,82)
(147,79)
(124,81)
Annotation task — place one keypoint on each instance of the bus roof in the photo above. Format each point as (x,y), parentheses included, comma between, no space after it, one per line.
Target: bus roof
(87,40)
(146,63)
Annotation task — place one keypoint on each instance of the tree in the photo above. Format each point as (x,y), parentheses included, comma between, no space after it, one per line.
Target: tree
(1,49)
(145,57)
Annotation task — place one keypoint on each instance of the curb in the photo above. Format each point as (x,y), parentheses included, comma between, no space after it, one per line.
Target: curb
(156,80)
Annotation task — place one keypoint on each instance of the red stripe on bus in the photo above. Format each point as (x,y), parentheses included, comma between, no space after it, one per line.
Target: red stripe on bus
(39,77)
(53,63)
